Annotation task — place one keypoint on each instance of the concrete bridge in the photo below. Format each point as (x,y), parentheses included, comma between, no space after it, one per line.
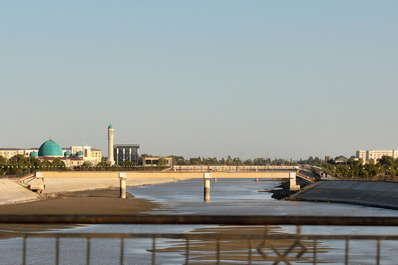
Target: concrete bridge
(225,168)
(61,181)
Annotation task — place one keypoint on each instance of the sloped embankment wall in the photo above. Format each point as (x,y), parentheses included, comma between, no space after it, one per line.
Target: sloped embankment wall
(368,193)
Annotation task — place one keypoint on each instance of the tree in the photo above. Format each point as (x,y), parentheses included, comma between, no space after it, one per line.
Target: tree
(87,164)
(178,160)
(3,163)
(387,161)
(229,161)
(162,162)
(58,163)
(19,164)
(237,161)
(127,163)
(195,161)
(248,162)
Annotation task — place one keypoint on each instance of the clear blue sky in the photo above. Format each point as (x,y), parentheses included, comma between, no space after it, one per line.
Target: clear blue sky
(252,79)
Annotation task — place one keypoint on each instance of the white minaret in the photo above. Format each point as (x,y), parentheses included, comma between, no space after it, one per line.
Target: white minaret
(111,161)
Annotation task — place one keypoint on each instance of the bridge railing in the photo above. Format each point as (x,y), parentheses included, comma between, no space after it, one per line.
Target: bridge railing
(245,240)
(207,168)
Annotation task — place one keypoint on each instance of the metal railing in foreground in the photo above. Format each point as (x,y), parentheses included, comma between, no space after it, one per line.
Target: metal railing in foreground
(239,240)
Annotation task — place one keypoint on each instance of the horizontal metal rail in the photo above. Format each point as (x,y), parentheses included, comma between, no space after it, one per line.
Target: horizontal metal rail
(209,236)
(197,219)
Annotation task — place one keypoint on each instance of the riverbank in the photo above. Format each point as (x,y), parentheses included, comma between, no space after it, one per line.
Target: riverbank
(83,202)
(11,192)
(366,193)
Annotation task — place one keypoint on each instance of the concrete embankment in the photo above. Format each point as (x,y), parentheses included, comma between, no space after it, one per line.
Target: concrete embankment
(367,193)
(12,192)
(59,182)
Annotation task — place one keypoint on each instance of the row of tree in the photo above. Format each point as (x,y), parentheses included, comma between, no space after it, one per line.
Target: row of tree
(230,161)
(340,167)
(19,165)
(384,169)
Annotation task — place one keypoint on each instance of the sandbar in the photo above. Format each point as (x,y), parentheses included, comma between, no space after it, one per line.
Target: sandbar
(83,202)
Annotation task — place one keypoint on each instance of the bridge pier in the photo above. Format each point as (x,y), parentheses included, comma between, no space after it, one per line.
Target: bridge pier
(206,191)
(292,182)
(122,177)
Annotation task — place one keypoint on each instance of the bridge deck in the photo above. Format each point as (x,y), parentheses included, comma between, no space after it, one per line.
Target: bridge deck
(169,174)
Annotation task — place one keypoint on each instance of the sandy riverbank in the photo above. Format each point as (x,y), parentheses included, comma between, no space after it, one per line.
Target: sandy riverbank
(83,202)
(11,192)
(76,196)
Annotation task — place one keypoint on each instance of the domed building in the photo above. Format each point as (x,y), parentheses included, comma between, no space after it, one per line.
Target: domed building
(50,149)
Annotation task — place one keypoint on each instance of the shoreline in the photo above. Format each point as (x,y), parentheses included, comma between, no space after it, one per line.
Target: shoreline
(77,196)
(106,201)
(12,192)
(363,193)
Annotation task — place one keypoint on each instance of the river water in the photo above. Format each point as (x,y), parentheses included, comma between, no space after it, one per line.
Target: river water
(228,197)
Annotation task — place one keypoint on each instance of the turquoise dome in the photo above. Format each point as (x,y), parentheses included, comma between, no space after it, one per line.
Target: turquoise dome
(79,153)
(33,154)
(110,127)
(68,153)
(50,148)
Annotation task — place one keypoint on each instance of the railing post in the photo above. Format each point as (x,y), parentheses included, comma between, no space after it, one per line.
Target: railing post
(206,177)
(122,176)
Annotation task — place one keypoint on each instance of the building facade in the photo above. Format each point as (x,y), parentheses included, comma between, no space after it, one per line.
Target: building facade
(151,161)
(126,152)
(374,155)
(92,155)
(50,150)
(10,152)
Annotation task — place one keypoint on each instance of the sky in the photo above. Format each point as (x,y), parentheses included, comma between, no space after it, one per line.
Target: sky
(288,79)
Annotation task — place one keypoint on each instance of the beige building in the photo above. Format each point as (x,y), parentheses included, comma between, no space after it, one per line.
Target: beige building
(73,162)
(92,155)
(374,155)
(151,161)
(10,152)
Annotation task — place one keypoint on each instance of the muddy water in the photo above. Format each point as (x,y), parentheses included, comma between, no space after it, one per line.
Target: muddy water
(245,197)
(237,196)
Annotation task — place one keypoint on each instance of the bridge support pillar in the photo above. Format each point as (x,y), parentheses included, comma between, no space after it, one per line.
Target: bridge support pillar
(122,177)
(206,177)
(292,182)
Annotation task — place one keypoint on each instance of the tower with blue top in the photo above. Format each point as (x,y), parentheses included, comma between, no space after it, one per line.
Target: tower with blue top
(111,160)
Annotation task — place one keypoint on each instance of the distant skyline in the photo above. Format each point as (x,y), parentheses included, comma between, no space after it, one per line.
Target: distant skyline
(288,79)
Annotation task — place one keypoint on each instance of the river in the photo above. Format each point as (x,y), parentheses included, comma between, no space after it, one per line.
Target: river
(228,197)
